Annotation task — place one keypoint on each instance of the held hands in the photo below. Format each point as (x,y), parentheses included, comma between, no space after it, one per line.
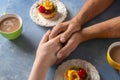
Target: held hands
(55,52)
(69,37)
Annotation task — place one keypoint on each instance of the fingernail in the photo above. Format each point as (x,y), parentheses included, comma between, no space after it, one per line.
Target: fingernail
(62,40)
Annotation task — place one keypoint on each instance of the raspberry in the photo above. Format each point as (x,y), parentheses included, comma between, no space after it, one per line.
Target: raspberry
(82,73)
(42,9)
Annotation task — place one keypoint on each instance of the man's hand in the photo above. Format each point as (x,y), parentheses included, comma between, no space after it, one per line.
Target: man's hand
(69,47)
(66,28)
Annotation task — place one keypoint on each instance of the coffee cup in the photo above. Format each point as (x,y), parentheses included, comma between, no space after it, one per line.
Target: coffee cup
(10,26)
(113,55)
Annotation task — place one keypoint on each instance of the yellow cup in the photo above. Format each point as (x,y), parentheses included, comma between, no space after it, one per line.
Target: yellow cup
(110,59)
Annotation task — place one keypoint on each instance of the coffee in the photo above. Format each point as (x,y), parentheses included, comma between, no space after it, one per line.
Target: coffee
(9,24)
(115,53)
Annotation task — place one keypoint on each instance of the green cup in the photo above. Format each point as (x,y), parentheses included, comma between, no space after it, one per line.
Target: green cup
(13,34)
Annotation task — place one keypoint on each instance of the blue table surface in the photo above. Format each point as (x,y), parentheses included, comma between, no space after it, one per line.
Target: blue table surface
(17,56)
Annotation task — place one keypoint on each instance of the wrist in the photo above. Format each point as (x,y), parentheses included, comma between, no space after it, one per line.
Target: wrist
(40,61)
(84,35)
(39,70)
(76,20)
(79,18)
(87,34)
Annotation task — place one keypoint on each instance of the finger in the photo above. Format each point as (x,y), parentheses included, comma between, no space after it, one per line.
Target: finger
(67,34)
(55,41)
(58,48)
(66,50)
(56,30)
(45,37)
(58,61)
(63,55)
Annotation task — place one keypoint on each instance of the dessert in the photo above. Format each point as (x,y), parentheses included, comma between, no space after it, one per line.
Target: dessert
(76,69)
(47,9)
(76,73)
(58,16)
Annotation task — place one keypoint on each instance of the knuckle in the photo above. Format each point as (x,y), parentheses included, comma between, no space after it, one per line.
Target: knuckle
(68,33)
(65,35)
(57,28)
(59,25)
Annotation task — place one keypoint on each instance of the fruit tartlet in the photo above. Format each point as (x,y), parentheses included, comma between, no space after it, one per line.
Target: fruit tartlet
(76,73)
(47,9)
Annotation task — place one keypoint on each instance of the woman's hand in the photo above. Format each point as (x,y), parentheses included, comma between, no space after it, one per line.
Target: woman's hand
(45,57)
(48,49)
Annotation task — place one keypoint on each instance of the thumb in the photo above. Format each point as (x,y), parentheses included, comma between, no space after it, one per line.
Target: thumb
(45,37)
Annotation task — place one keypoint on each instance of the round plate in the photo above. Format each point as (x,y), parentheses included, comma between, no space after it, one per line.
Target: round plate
(40,20)
(93,73)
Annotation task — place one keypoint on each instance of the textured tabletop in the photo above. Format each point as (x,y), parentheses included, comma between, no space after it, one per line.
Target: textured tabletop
(17,56)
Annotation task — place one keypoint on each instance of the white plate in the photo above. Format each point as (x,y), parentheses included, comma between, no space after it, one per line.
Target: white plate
(40,20)
(93,73)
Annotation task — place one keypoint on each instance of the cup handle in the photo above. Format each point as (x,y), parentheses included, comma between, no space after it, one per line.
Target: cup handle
(3,13)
